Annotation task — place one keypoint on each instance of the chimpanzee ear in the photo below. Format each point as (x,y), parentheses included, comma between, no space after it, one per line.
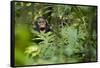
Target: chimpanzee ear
(47,27)
(35,26)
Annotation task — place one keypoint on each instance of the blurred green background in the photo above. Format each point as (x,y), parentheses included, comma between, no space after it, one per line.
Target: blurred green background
(73,38)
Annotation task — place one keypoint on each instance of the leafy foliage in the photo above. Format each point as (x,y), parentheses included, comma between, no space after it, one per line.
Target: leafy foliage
(72,39)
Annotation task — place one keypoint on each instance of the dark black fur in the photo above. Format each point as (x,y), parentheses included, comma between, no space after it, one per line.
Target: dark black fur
(47,28)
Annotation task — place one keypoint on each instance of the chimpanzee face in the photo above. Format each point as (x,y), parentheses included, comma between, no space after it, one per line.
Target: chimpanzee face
(42,23)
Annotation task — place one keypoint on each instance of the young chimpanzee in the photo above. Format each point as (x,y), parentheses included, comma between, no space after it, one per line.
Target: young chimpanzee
(41,25)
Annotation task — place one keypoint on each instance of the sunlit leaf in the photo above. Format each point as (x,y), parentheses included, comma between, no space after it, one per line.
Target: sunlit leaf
(28,4)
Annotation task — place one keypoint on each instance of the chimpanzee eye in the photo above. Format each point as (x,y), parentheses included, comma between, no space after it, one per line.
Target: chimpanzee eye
(43,21)
(39,22)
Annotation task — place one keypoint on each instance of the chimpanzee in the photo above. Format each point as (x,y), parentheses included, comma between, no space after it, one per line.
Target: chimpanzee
(41,25)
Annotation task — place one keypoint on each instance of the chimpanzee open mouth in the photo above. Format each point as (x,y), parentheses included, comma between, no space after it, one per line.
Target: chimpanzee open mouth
(42,29)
